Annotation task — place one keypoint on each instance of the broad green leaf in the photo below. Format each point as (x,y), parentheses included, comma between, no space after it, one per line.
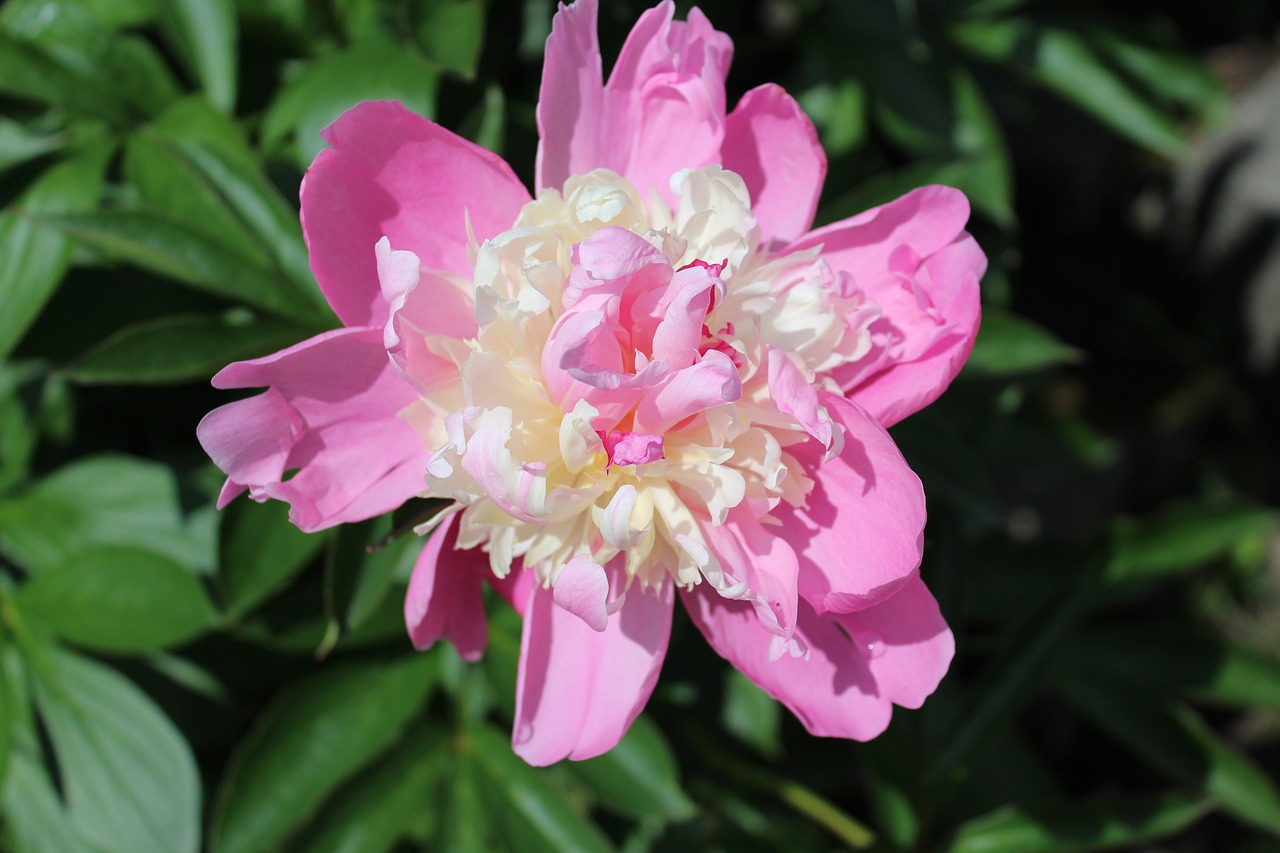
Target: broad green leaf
(311,738)
(260,552)
(1064,62)
(118,599)
(486,125)
(36,818)
(978,136)
(170,248)
(638,777)
(465,822)
(330,84)
(378,574)
(750,713)
(99,500)
(203,34)
(33,257)
(184,348)
(839,110)
(28,72)
(451,32)
(1175,75)
(387,802)
(1175,739)
(1179,538)
(21,142)
(129,777)
(1008,345)
(530,812)
(1080,826)
(122,13)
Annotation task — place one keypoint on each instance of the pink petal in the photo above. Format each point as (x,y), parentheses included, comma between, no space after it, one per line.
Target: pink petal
(930,307)
(445,598)
(570,104)
(772,144)
(581,588)
(793,395)
(714,380)
(665,102)
(579,690)
(860,539)
(393,173)
(858,665)
(748,551)
(331,414)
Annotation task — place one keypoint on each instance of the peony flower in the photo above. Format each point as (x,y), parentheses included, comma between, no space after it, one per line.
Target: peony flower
(652,381)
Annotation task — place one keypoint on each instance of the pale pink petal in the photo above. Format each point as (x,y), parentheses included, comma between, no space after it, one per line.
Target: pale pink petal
(714,380)
(579,690)
(684,309)
(772,144)
(860,538)
(331,415)
(445,598)
(857,665)
(665,101)
(393,173)
(752,553)
(513,487)
(930,308)
(581,588)
(793,395)
(570,104)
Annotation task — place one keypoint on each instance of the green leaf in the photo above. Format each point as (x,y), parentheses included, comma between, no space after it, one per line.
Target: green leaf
(1008,345)
(1177,76)
(164,245)
(1179,538)
(119,599)
(451,32)
(378,573)
(129,777)
(203,34)
(1175,739)
(33,257)
(839,111)
(34,815)
(751,714)
(385,803)
(1064,62)
(30,73)
(638,777)
(260,551)
(99,500)
(978,136)
(465,826)
(20,143)
(183,348)
(530,812)
(310,739)
(334,82)
(1072,827)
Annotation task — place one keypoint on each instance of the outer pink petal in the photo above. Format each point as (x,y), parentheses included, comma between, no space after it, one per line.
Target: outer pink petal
(665,101)
(393,173)
(445,597)
(858,664)
(860,539)
(570,104)
(331,414)
(913,257)
(773,145)
(579,690)
(752,553)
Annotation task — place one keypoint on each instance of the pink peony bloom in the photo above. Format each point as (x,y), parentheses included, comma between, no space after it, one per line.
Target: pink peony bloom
(651,382)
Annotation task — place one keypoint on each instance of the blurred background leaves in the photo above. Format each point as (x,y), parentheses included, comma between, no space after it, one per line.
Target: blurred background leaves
(1103,478)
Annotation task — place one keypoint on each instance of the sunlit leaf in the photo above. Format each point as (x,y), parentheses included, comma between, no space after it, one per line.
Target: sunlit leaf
(451,32)
(203,34)
(1008,345)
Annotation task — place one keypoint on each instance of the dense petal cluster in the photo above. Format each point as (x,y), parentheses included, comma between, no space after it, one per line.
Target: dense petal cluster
(651,381)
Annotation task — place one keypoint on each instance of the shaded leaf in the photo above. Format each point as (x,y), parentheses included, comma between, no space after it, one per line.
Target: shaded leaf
(1082,826)
(36,818)
(119,599)
(183,348)
(751,714)
(1179,538)
(260,551)
(638,777)
(129,776)
(529,811)
(310,739)
(1008,345)
(34,257)
(203,35)
(451,32)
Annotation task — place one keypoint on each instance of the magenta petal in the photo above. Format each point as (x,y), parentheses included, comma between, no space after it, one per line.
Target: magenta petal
(860,539)
(570,103)
(331,415)
(445,597)
(579,690)
(393,173)
(858,665)
(773,145)
(913,257)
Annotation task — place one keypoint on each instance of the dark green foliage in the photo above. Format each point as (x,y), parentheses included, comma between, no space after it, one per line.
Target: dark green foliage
(1103,477)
